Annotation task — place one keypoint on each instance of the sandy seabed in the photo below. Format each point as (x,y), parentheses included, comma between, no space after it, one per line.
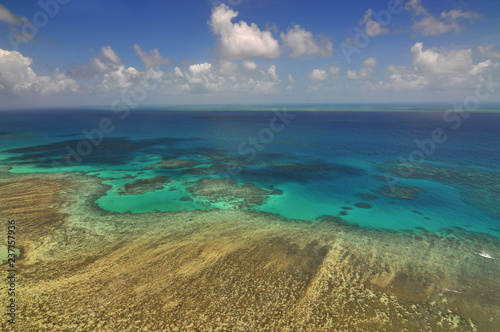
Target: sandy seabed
(84,269)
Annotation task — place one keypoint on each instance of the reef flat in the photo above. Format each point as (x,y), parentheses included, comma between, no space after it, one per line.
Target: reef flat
(85,269)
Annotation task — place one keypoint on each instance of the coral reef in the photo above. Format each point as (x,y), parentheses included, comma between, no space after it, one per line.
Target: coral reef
(142,186)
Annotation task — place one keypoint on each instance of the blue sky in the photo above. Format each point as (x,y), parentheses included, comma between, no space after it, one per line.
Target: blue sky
(88,53)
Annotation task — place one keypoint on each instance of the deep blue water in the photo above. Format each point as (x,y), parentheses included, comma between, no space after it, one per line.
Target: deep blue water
(325,163)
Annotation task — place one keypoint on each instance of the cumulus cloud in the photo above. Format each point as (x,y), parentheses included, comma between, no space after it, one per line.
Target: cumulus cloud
(99,67)
(202,78)
(488,51)
(402,78)
(271,71)
(372,28)
(427,24)
(178,72)
(334,72)
(17,77)
(240,40)
(369,65)
(290,78)
(457,61)
(120,78)
(107,61)
(434,69)
(151,59)
(249,65)
(111,74)
(302,42)
(200,68)
(228,68)
(317,75)
(8,17)
(108,54)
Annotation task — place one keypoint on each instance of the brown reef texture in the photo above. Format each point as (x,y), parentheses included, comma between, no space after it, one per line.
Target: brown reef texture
(83,269)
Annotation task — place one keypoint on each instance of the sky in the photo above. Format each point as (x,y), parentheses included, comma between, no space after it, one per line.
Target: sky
(77,53)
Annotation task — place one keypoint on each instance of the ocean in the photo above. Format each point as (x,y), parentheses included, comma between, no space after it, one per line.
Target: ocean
(375,169)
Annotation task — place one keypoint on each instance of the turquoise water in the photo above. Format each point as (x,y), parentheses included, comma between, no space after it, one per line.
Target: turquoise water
(316,164)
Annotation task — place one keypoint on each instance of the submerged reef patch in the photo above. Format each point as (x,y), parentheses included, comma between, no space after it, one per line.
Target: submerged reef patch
(174,164)
(401,192)
(229,191)
(366,197)
(363,205)
(215,168)
(145,185)
(478,188)
(108,151)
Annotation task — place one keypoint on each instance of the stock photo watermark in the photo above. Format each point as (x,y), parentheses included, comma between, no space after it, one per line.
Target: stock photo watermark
(29,29)
(93,138)
(361,38)
(454,117)
(255,144)
(11,271)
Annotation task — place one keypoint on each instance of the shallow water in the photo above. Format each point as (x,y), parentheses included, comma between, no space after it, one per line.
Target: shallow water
(323,162)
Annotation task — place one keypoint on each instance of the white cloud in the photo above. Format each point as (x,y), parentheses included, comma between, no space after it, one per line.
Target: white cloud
(120,78)
(227,68)
(108,54)
(436,70)
(455,14)
(152,59)
(17,77)
(271,71)
(401,78)
(178,72)
(8,17)
(240,40)
(334,72)
(290,78)
(318,75)
(372,28)
(488,51)
(99,67)
(201,78)
(430,61)
(110,74)
(416,7)
(249,65)
(370,62)
(352,75)
(427,24)
(201,68)
(369,65)
(302,42)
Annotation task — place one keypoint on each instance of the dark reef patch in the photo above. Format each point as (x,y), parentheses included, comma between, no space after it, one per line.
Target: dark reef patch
(216,168)
(366,197)
(174,164)
(363,205)
(409,193)
(297,172)
(478,188)
(145,185)
(110,151)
